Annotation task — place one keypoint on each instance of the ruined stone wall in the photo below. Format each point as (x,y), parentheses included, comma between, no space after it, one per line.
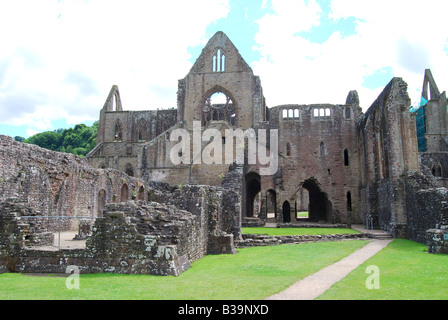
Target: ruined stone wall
(237,81)
(389,150)
(424,200)
(54,183)
(312,146)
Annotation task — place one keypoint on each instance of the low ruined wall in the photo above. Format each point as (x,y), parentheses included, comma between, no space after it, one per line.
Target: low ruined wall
(257,240)
(424,200)
(131,238)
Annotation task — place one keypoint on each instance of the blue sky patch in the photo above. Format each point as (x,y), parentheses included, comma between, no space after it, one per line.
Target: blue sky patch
(378,79)
(240,26)
(327,26)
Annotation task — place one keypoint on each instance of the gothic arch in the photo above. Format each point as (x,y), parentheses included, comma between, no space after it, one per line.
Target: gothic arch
(227,110)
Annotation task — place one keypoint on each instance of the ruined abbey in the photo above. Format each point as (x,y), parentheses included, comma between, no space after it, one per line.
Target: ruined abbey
(387,167)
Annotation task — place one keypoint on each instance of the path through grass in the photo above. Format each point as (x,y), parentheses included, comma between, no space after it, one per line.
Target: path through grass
(406,272)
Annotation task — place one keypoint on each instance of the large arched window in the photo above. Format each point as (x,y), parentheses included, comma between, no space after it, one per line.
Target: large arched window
(219,61)
(219,107)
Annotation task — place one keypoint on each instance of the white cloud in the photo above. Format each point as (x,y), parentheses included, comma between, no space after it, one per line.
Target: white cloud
(65,56)
(407,36)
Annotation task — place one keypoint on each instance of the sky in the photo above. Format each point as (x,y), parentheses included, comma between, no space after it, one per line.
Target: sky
(59,59)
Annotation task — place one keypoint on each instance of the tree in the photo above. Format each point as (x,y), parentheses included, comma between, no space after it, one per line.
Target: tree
(78,140)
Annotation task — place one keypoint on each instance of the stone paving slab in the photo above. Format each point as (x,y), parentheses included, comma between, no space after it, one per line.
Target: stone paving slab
(316,284)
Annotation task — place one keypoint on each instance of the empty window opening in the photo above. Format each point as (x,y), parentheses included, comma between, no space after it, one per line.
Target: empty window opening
(290,114)
(346,158)
(347,113)
(118,132)
(219,62)
(129,170)
(288,149)
(142,130)
(322,149)
(437,171)
(349,201)
(322,113)
(219,107)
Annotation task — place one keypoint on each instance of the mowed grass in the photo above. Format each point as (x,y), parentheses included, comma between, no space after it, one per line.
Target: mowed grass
(297,231)
(406,272)
(252,273)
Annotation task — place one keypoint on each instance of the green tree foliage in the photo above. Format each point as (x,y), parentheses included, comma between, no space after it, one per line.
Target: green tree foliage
(78,140)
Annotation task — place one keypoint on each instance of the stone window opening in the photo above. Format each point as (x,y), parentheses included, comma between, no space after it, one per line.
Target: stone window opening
(129,170)
(346,158)
(437,171)
(219,62)
(322,113)
(142,130)
(322,149)
(288,150)
(290,114)
(219,107)
(349,201)
(348,113)
(118,132)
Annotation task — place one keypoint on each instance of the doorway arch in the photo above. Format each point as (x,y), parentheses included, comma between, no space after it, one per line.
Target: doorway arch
(253,188)
(320,208)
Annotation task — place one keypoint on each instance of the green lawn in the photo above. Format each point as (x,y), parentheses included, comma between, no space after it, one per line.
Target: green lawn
(406,272)
(253,273)
(297,231)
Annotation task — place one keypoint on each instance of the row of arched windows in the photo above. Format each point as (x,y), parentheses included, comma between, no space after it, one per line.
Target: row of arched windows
(142,133)
(321,113)
(124,196)
(290,114)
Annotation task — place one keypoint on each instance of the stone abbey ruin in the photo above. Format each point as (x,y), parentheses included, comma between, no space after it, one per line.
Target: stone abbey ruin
(140,212)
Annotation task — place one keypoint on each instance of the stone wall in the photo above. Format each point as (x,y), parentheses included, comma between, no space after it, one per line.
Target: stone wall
(61,184)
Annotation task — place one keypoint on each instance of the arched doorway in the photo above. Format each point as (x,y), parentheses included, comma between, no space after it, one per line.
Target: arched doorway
(101,202)
(253,188)
(286,209)
(124,194)
(319,205)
